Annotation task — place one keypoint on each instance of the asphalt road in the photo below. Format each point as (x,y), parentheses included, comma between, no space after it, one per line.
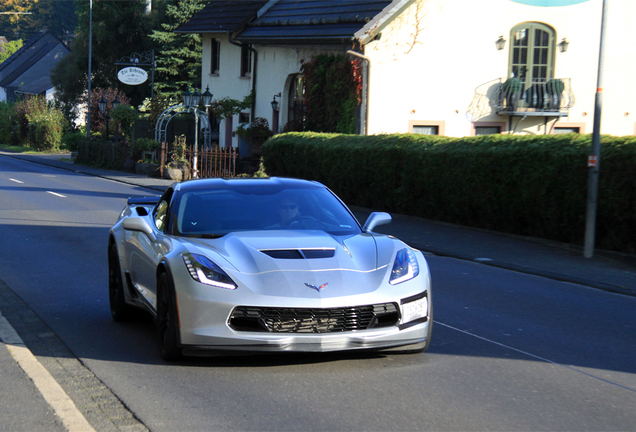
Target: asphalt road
(510,351)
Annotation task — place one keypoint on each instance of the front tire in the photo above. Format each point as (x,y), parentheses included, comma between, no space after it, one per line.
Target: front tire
(167,320)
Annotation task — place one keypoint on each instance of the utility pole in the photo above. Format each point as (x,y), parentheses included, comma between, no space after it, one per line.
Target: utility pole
(594,159)
(90,59)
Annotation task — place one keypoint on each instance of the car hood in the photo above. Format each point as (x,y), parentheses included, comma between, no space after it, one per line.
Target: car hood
(261,260)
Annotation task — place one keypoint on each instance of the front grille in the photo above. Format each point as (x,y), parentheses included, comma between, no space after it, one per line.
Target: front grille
(306,320)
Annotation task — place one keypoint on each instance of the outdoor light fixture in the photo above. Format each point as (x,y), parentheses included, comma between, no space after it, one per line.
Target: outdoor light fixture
(207,97)
(563,45)
(196,98)
(102,105)
(116,102)
(275,102)
(500,43)
(103,108)
(187,97)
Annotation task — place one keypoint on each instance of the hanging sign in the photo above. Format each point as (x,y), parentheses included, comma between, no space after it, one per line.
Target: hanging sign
(132,75)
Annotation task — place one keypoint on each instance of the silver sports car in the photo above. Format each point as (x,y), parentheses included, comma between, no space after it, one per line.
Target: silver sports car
(265,265)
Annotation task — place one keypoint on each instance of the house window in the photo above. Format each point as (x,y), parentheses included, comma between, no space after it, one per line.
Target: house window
(566,130)
(246,62)
(426,127)
(532,53)
(487,130)
(426,130)
(215,57)
(562,127)
(244,118)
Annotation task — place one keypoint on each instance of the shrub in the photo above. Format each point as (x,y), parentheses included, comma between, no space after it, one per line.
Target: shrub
(7,119)
(125,115)
(39,124)
(146,144)
(72,140)
(98,120)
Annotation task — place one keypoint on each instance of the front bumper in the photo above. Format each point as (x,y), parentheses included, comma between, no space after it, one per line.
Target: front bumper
(258,342)
(205,316)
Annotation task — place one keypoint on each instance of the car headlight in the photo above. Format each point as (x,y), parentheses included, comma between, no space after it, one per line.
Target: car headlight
(203,270)
(405,267)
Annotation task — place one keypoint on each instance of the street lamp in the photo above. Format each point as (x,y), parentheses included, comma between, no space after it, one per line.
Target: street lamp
(206,97)
(103,108)
(192,101)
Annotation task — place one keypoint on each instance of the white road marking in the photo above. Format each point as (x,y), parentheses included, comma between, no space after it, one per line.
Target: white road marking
(53,393)
(56,194)
(14,180)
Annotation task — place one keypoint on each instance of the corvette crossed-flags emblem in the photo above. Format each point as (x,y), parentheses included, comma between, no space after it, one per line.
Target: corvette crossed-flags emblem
(317,288)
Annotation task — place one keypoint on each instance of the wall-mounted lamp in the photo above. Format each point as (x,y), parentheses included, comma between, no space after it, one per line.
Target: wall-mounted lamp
(500,43)
(275,102)
(563,45)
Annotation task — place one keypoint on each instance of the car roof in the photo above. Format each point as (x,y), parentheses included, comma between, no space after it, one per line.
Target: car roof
(243,184)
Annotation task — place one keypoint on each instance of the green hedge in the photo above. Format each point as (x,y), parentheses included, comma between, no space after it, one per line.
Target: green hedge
(527,185)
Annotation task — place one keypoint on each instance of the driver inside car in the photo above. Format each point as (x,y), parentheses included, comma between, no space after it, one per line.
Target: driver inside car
(286,209)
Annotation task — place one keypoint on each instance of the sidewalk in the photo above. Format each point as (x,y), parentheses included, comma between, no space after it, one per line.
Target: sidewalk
(609,271)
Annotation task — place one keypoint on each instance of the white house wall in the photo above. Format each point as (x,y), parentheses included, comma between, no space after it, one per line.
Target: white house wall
(275,66)
(228,82)
(428,62)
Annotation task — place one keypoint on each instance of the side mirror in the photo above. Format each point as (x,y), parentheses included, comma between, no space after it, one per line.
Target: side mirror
(376,219)
(141,225)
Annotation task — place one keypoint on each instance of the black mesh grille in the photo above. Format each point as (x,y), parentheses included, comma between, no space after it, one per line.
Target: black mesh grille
(304,320)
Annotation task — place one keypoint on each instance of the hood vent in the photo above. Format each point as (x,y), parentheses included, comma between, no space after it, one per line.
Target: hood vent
(300,253)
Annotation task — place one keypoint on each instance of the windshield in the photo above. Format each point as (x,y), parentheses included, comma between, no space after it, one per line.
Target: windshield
(218,212)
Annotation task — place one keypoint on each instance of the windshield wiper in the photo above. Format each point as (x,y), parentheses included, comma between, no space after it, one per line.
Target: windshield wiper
(205,236)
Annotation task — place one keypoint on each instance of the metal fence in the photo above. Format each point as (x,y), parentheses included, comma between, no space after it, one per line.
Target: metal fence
(543,98)
(215,162)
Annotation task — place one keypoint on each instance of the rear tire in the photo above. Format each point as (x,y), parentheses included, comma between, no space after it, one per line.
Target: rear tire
(167,320)
(119,310)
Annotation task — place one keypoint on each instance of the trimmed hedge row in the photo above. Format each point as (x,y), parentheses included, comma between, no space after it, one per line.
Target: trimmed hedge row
(527,185)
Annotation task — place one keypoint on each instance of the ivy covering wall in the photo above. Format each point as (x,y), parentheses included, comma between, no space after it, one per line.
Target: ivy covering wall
(333,85)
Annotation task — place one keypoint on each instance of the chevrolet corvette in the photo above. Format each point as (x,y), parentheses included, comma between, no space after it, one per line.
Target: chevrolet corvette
(265,265)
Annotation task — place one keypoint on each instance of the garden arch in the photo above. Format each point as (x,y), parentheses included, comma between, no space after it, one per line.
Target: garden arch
(167,115)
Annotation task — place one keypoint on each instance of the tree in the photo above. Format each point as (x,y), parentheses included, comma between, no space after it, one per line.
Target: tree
(35,15)
(179,61)
(15,22)
(120,28)
(9,48)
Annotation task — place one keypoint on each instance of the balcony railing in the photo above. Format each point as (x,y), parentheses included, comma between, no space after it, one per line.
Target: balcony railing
(552,98)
